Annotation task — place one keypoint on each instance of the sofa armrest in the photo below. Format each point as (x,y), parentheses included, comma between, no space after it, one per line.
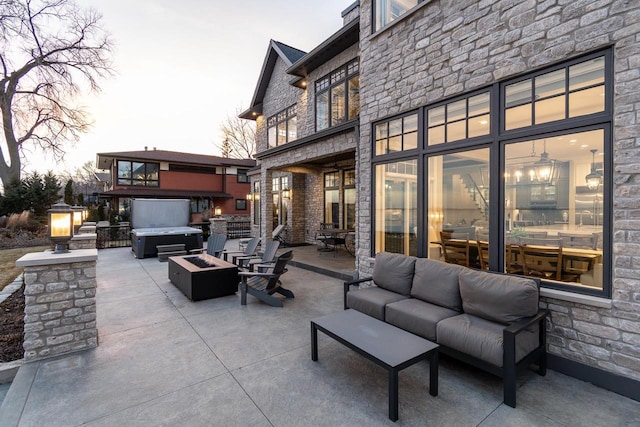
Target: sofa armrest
(509,339)
(522,324)
(348,285)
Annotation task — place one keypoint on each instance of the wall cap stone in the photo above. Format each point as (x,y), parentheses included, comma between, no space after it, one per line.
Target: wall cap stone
(576,298)
(49,258)
(85,236)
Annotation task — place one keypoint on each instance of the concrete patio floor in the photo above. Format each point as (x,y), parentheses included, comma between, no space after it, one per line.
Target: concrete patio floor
(163,360)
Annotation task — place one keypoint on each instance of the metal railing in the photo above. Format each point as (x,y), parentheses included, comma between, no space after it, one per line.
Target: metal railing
(113,236)
(238,229)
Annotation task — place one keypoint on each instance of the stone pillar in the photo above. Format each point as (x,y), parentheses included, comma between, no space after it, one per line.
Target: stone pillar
(218,225)
(83,241)
(60,303)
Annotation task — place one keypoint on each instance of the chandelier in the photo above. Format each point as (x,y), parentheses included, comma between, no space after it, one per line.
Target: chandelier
(593,178)
(543,170)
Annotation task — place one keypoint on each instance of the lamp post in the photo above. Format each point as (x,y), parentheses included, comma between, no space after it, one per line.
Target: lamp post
(60,226)
(77,217)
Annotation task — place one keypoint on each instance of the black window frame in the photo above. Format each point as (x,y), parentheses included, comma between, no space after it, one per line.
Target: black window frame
(242,176)
(131,182)
(496,141)
(282,116)
(241,204)
(325,85)
(374,13)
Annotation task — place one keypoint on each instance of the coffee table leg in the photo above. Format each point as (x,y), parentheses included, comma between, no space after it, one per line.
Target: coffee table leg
(314,342)
(433,373)
(393,395)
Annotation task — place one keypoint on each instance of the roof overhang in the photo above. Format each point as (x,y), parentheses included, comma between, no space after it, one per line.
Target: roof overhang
(159,193)
(342,39)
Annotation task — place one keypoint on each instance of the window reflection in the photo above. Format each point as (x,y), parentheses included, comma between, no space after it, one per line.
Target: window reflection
(582,83)
(396,207)
(565,213)
(458,201)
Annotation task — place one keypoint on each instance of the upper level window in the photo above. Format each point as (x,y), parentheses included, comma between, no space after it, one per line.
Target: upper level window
(399,134)
(282,127)
(138,173)
(458,120)
(571,91)
(338,96)
(388,10)
(242,175)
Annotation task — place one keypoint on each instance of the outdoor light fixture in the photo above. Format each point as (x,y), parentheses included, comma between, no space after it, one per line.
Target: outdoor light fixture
(286,193)
(85,214)
(593,178)
(217,211)
(249,196)
(77,217)
(60,226)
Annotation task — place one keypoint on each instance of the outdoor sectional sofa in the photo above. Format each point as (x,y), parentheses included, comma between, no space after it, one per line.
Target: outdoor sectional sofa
(489,320)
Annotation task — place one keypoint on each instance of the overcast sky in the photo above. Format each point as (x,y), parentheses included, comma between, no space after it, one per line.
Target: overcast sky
(183,66)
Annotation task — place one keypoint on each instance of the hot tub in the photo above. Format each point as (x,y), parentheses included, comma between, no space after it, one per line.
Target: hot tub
(145,240)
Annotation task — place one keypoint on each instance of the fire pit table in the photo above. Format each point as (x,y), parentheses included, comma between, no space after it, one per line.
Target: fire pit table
(203,276)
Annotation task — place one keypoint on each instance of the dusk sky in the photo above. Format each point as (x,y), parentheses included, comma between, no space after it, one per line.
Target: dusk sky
(182,67)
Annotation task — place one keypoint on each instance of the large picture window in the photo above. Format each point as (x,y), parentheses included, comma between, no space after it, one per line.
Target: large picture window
(138,173)
(396,203)
(338,96)
(546,139)
(282,127)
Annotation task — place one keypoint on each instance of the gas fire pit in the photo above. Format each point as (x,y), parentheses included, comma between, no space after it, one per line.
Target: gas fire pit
(203,276)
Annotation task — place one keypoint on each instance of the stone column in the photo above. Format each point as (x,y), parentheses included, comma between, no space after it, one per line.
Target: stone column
(83,241)
(218,225)
(60,303)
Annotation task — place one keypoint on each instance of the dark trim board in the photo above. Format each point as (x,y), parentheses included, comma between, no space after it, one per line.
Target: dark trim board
(624,386)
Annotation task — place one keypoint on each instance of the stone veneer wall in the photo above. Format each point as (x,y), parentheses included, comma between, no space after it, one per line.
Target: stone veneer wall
(445,48)
(60,304)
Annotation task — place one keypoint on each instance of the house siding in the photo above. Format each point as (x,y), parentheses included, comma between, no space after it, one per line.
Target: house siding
(446,48)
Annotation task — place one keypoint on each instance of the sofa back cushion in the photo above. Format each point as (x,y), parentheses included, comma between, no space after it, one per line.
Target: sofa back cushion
(498,297)
(394,272)
(437,282)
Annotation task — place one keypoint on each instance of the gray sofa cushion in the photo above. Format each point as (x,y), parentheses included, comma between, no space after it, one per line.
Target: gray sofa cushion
(371,301)
(498,297)
(416,316)
(482,338)
(437,283)
(394,272)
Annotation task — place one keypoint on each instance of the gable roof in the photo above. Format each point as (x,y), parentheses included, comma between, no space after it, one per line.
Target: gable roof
(104,160)
(339,41)
(276,50)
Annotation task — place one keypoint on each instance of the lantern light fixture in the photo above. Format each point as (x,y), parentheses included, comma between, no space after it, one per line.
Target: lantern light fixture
(593,178)
(60,226)
(217,211)
(77,217)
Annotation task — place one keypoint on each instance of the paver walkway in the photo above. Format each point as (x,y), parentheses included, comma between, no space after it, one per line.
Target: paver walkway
(164,360)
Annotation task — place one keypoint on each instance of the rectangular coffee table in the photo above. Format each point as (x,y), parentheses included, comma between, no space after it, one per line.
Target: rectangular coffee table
(389,347)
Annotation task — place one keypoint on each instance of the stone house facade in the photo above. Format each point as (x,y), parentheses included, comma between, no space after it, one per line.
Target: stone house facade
(505,75)
(288,184)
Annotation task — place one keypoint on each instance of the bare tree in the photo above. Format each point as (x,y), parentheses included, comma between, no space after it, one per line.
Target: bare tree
(238,137)
(50,52)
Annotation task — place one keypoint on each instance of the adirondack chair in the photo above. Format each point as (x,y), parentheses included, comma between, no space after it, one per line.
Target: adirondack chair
(268,257)
(215,245)
(249,250)
(277,234)
(263,284)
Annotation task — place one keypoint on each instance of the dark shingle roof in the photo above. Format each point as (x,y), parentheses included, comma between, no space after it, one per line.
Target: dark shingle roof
(104,159)
(291,53)
(276,50)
